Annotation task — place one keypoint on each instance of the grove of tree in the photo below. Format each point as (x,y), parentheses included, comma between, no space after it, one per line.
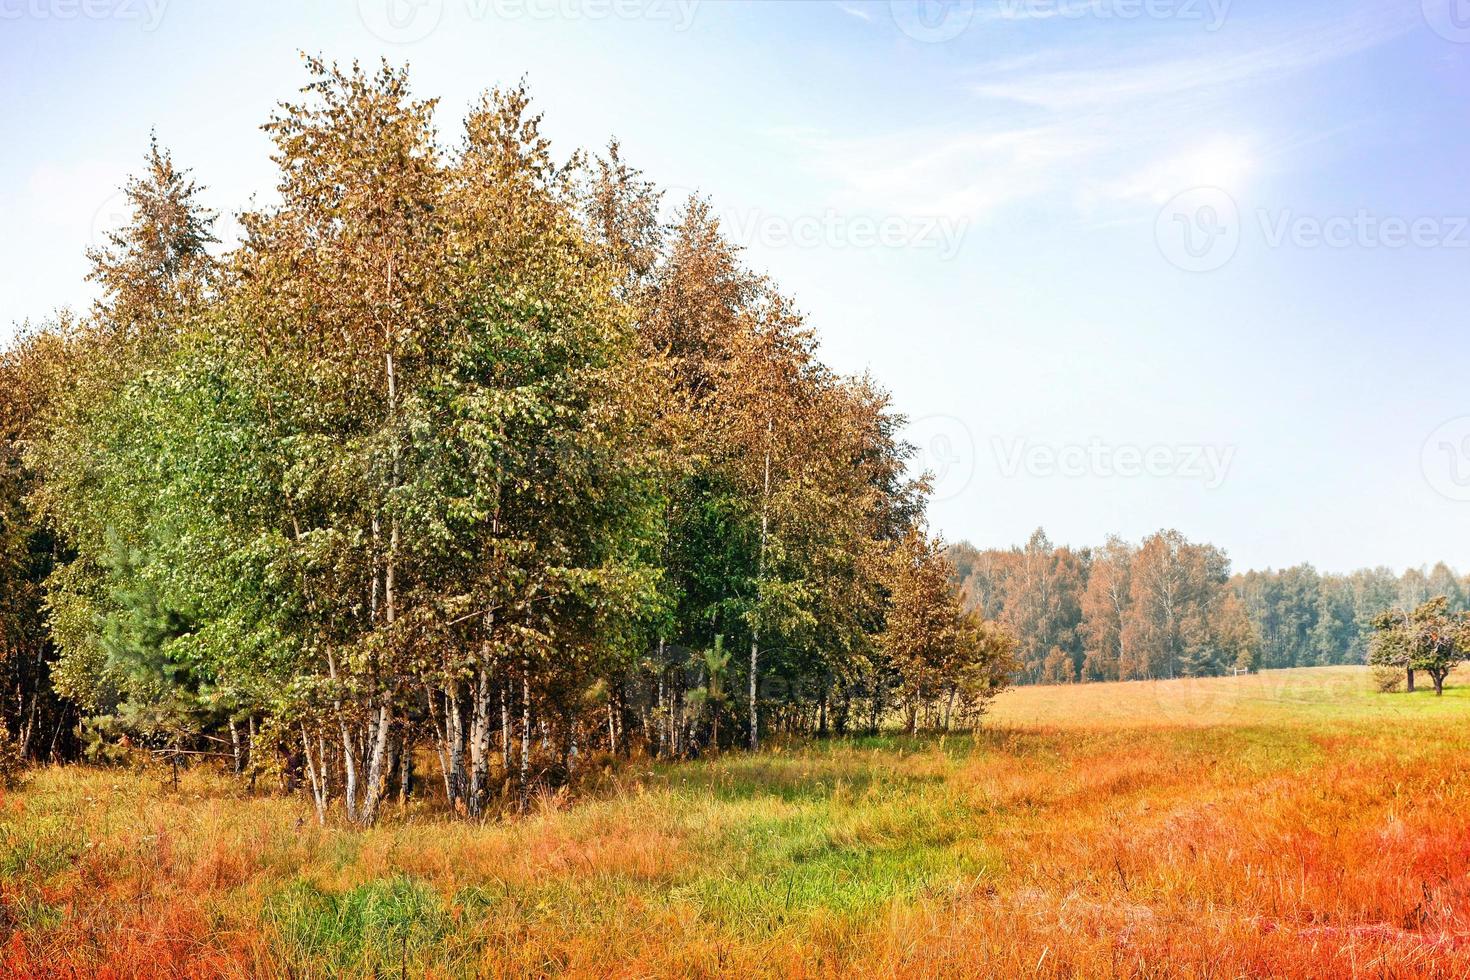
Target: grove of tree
(460,454)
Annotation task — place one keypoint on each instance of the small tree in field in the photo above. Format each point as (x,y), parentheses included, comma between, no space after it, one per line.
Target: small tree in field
(947,658)
(711,695)
(984,663)
(1431,639)
(1388,649)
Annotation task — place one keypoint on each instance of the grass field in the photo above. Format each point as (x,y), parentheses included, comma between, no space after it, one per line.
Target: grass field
(1289,823)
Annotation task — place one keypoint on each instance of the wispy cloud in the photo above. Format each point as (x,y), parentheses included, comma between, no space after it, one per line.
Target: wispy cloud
(1146,73)
(1096,126)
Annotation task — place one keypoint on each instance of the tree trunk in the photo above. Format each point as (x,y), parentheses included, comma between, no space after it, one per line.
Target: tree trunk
(480,742)
(405,767)
(390,762)
(676,712)
(235,746)
(459,783)
(663,714)
(760,575)
(525,780)
(250,756)
(441,741)
(378,729)
(373,792)
(1411,680)
(23,746)
(349,766)
(349,753)
(505,728)
(317,774)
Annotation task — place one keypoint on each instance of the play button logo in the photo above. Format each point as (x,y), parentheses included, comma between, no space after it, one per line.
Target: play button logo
(400,21)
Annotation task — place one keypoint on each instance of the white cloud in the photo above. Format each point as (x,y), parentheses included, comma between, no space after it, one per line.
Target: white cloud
(1218,161)
(1145,74)
(1102,129)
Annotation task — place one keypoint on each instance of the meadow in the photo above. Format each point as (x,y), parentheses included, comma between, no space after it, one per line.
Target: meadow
(1287,823)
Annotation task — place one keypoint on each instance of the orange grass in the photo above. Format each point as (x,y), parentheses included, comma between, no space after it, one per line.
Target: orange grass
(1289,824)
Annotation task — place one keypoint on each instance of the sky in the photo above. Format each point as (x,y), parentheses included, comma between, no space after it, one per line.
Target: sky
(1124,264)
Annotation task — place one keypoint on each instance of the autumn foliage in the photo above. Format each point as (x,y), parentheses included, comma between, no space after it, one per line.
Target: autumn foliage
(465,454)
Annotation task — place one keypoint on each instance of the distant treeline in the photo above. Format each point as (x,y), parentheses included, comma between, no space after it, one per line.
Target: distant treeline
(1170,607)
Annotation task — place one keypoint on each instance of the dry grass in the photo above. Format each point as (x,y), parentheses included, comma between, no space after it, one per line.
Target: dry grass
(1291,824)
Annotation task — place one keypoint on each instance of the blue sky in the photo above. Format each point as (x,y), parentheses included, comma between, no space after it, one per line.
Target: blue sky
(1127,264)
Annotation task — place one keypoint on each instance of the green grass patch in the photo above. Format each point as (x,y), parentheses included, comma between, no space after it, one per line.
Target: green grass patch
(382,927)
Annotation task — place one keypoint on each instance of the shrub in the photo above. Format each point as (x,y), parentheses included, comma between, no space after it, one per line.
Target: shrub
(1387,679)
(12,763)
